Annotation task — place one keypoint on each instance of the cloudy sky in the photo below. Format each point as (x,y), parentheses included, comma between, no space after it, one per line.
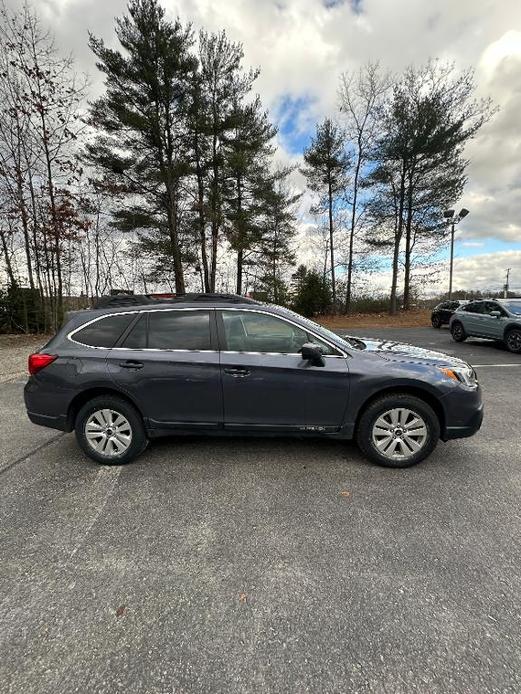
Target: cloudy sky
(302,46)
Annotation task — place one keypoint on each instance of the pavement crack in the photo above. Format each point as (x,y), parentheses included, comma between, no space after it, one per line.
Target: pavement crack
(26,456)
(105,475)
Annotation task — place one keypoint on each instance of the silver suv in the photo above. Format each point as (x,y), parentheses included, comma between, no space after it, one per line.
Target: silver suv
(496,319)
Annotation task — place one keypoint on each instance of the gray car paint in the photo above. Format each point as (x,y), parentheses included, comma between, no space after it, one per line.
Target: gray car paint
(185,391)
(485,325)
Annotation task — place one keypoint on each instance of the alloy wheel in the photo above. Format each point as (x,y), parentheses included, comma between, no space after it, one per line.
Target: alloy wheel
(108,432)
(399,433)
(457,331)
(514,341)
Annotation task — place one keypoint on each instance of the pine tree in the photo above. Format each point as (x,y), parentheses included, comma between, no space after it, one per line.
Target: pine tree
(427,121)
(311,292)
(247,180)
(275,253)
(224,87)
(326,171)
(141,126)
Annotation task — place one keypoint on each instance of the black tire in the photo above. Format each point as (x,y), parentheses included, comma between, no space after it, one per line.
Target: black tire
(379,408)
(436,322)
(513,340)
(138,438)
(458,332)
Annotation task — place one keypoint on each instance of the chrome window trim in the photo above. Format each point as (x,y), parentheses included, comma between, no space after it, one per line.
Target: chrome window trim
(140,312)
(342,354)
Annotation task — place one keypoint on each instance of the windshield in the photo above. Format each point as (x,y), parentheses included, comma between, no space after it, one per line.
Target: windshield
(513,307)
(325,332)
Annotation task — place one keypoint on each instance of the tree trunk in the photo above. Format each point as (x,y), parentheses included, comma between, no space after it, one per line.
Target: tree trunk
(240,257)
(58,313)
(215,205)
(240,251)
(331,247)
(8,264)
(408,230)
(352,237)
(397,241)
(200,214)
(25,227)
(176,252)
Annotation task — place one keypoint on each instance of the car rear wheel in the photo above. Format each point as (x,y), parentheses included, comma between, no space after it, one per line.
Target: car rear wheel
(110,430)
(458,332)
(436,322)
(513,340)
(398,431)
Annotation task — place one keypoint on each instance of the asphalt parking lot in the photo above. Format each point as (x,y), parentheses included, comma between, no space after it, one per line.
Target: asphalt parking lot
(252,565)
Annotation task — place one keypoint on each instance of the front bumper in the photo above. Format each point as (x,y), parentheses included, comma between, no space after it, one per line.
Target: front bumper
(472,426)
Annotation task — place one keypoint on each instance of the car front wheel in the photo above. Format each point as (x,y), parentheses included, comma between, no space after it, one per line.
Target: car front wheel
(458,332)
(398,431)
(513,340)
(436,322)
(110,430)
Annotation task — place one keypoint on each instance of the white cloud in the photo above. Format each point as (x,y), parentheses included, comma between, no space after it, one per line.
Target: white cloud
(487,271)
(302,46)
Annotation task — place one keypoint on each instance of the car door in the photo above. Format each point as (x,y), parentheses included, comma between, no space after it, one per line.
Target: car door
(266,383)
(168,362)
(492,325)
(449,310)
(473,314)
(445,311)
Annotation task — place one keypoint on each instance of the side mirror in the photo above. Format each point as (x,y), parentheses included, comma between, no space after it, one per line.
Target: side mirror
(312,353)
(495,314)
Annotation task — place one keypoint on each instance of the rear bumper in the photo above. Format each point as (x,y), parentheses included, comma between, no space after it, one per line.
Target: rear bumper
(59,422)
(466,429)
(39,399)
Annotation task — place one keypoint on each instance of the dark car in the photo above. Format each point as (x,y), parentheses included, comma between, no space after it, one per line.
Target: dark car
(442,313)
(495,319)
(122,376)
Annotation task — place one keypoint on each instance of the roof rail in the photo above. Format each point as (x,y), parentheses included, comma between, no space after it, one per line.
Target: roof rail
(140,299)
(225,298)
(122,300)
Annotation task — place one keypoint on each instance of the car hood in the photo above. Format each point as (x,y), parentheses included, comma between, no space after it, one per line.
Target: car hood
(400,351)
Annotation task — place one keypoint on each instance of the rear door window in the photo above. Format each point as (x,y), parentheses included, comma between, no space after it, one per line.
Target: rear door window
(186,330)
(474,307)
(104,332)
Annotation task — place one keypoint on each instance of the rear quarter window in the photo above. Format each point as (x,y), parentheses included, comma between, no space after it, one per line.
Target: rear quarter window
(104,332)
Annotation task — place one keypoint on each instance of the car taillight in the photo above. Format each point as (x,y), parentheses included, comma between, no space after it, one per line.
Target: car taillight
(37,362)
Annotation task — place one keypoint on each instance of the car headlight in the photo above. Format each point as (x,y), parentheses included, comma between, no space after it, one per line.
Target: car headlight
(462,374)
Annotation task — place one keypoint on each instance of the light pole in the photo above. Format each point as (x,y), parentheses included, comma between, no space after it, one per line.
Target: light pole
(453,220)
(505,288)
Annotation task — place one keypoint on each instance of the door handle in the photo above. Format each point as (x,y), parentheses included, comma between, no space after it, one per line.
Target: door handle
(131,364)
(237,372)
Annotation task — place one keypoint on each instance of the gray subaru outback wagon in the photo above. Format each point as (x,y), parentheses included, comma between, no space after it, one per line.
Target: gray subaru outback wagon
(223,364)
(495,319)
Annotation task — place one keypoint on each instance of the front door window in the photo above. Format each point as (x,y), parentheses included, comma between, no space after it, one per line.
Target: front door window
(247,331)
